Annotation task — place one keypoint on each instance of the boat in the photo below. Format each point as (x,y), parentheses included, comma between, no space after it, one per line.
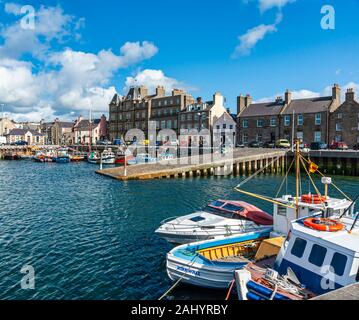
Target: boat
(62,156)
(107,157)
(12,156)
(122,156)
(77,158)
(212,263)
(142,159)
(93,158)
(219,218)
(320,249)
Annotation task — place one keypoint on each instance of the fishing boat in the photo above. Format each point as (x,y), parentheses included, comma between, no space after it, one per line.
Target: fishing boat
(77,158)
(62,156)
(107,157)
(219,218)
(93,157)
(123,156)
(319,253)
(142,159)
(212,263)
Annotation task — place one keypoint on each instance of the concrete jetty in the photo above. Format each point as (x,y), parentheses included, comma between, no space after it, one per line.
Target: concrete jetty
(244,161)
(347,293)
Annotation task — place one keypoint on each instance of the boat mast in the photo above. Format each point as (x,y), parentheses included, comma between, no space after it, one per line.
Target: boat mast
(297,164)
(90,129)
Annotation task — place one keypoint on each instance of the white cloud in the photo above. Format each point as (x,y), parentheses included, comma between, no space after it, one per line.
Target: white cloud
(134,52)
(153,78)
(248,40)
(52,24)
(265,5)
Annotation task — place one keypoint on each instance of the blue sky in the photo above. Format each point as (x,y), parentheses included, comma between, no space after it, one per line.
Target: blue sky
(73,59)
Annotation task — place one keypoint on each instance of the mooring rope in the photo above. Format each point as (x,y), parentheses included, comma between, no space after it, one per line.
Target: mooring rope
(230,289)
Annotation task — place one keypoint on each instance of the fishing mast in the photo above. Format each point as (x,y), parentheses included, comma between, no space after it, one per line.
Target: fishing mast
(297,165)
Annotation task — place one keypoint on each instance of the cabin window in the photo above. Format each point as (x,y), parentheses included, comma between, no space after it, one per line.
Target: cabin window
(317,255)
(197,219)
(338,263)
(357,277)
(217,204)
(282,211)
(299,247)
(232,207)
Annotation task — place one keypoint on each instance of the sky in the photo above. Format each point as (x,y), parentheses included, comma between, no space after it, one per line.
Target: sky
(74,55)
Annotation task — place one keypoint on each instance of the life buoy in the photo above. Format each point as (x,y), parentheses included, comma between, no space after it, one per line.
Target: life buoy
(322,224)
(313,198)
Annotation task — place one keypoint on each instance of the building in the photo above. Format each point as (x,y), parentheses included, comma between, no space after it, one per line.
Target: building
(137,108)
(46,128)
(226,127)
(61,132)
(32,137)
(84,131)
(307,118)
(344,121)
(6,125)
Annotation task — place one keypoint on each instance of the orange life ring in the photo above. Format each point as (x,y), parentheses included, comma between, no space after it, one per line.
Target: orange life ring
(322,224)
(313,198)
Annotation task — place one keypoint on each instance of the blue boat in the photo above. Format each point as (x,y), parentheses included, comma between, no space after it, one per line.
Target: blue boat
(62,156)
(212,264)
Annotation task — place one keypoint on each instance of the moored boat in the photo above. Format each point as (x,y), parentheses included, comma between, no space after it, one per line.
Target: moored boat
(93,157)
(107,157)
(219,218)
(62,156)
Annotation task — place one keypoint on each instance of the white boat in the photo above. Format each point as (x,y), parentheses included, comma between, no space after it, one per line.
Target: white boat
(93,158)
(321,254)
(219,218)
(212,263)
(108,157)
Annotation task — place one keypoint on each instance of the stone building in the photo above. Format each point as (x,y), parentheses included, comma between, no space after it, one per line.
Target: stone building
(61,132)
(6,125)
(137,108)
(344,121)
(267,122)
(84,131)
(32,137)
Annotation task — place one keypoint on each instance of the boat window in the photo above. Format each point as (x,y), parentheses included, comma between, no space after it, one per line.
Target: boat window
(299,247)
(232,207)
(317,255)
(357,277)
(338,263)
(282,211)
(197,219)
(217,204)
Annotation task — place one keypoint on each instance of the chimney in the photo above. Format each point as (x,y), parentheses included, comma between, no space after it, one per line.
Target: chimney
(336,92)
(160,91)
(288,97)
(143,91)
(218,99)
(199,100)
(279,99)
(243,102)
(177,92)
(350,95)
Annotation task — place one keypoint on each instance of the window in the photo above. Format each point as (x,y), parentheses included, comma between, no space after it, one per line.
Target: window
(197,219)
(245,123)
(218,127)
(300,120)
(224,126)
(231,127)
(189,116)
(196,116)
(245,137)
(340,116)
(282,211)
(317,255)
(287,121)
(169,124)
(260,123)
(300,135)
(183,117)
(163,124)
(298,247)
(338,263)
(357,277)
(259,137)
(232,207)
(338,127)
(318,119)
(317,136)
(174,124)
(273,122)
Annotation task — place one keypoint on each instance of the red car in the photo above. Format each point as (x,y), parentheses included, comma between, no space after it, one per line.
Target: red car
(339,146)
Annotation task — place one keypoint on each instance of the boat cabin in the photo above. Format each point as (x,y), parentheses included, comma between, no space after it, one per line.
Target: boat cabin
(284,215)
(321,260)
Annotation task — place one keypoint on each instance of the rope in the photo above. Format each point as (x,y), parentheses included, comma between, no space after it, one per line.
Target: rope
(285,179)
(257,172)
(230,290)
(310,178)
(178,281)
(347,197)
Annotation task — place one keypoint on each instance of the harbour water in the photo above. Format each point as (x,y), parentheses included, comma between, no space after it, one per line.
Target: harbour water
(89,237)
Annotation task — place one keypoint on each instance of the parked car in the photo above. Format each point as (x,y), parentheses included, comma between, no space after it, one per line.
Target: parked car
(339,146)
(103,142)
(117,142)
(255,144)
(282,143)
(240,145)
(269,144)
(356,146)
(318,145)
(19,143)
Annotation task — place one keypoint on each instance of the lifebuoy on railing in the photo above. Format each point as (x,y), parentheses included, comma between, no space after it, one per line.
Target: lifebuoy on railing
(322,224)
(313,198)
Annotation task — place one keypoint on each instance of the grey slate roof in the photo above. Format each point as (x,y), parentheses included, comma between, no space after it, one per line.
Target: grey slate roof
(85,124)
(263,109)
(21,132)
(310,105)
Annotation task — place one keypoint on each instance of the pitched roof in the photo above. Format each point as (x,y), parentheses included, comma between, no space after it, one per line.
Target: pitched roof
(85,124)
(21,132)
(309,105)
(263,109)
(66,124)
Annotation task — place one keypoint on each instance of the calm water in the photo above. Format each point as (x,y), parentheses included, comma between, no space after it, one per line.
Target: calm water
(89,237)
